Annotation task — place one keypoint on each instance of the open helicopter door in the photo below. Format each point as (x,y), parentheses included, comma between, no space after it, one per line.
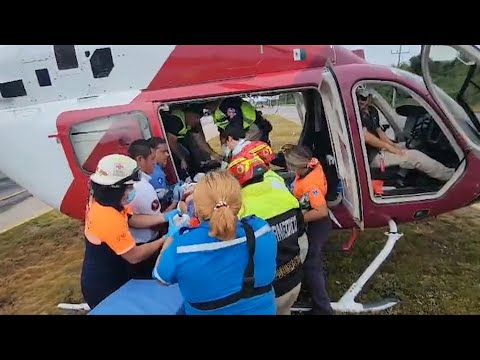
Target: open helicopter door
(89,134)
(343,146)
(452,76)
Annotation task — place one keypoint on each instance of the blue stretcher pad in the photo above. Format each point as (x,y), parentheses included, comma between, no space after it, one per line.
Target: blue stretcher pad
(142,297)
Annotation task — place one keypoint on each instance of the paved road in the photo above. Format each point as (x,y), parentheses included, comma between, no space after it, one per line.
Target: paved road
(7,187)
(17,209)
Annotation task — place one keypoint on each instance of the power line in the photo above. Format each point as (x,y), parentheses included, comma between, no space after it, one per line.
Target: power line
(398,52)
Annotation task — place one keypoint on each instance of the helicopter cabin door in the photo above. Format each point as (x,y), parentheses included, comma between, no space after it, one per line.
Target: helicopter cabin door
(91,133)
(343,146)
(452,76)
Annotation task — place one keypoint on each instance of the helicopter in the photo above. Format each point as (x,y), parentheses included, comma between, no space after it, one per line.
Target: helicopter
(74,104)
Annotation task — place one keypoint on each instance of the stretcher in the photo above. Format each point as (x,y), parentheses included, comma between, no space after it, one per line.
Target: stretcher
(142,297)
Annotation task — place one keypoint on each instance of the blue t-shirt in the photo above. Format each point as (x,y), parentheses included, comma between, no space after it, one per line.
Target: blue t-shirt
(207,269)
(159,178)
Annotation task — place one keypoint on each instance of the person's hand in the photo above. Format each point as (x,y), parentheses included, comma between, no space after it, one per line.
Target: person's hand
(169,215)
(183,164)
(177,192)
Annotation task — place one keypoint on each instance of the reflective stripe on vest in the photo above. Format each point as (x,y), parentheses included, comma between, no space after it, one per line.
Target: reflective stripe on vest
(272,201)
(248,113)
(184,131)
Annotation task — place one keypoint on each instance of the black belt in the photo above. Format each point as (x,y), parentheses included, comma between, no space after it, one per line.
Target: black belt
(248,287)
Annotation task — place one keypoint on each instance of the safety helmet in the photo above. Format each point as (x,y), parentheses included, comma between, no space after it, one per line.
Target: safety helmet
(115,170)
(245,167)
(261,149)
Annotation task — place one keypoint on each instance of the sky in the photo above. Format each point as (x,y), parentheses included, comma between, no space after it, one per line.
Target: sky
(382,54)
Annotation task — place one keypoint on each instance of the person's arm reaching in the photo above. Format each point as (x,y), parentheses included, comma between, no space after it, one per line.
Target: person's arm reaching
(374,141)
(316,214)
(385,138)
(139,253)
(201,142)
(173,142)
(120,240)
(146,221)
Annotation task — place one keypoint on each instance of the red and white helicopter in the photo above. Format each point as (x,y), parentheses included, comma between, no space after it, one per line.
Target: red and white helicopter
(63,107)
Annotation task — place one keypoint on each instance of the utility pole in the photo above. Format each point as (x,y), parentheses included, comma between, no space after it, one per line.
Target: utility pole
(399,52)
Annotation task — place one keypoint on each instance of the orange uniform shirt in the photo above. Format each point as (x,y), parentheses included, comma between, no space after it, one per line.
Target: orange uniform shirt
(312,189)
(108,225)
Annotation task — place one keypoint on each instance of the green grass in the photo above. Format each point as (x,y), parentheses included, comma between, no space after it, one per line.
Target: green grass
(40,265)
(434,268)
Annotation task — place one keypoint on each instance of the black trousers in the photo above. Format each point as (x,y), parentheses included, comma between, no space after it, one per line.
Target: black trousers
(314,266)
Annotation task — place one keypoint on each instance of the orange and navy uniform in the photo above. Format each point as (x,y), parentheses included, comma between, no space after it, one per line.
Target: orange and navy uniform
(107,238)
(104,224)
(311,190)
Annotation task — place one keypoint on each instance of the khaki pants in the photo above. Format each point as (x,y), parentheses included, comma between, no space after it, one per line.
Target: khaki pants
(414,159)
(285,302)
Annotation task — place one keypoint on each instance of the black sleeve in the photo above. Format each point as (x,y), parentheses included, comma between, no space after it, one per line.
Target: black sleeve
(173,124)
(375,117)
(371,120)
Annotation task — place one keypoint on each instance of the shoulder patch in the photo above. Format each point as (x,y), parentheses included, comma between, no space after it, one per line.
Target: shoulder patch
(155,205)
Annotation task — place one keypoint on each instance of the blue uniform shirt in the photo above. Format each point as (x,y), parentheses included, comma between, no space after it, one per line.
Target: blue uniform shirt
(159,178)
(165,190)
(207,269)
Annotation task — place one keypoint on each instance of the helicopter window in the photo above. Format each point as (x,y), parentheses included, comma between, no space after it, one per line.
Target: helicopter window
(459,78)
(12,89)
(97,138)
(101,63)
(459,113)
(65,56)
(43,77)
(420,157)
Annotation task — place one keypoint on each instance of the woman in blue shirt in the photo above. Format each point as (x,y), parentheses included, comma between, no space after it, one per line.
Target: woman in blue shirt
(223,266)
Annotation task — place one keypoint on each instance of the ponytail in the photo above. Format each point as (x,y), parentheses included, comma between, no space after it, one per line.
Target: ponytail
(223,223)
(218,198)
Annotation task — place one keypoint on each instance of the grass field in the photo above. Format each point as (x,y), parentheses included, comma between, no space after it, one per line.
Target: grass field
(434,268)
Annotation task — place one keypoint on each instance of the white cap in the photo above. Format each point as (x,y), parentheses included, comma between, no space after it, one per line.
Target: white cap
(113,168)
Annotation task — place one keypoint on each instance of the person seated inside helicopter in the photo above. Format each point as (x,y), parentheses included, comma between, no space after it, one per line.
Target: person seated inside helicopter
(383,152)
(235,110)
(191,151)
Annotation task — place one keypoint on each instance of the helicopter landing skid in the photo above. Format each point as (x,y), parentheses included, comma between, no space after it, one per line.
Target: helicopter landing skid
(347,303)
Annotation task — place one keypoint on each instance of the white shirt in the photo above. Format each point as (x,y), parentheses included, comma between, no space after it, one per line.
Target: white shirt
(145,203)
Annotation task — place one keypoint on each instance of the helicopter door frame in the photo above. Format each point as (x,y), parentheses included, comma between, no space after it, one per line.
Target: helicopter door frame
(158,107)
(473,52)
(341,137)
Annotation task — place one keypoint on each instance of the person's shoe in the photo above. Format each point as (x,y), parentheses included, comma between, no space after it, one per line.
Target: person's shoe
(302,307)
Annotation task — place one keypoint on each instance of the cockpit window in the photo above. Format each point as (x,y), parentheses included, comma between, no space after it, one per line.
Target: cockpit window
(458,112)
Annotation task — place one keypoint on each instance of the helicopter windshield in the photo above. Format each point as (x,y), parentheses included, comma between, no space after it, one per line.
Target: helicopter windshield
(463,120)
